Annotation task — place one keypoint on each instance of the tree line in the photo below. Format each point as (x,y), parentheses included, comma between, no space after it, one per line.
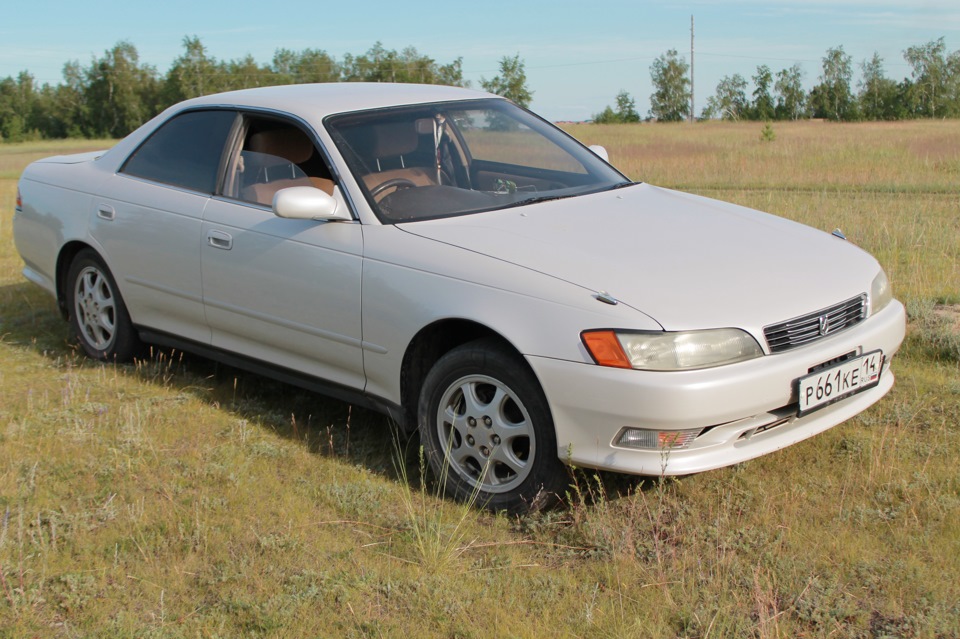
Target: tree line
(116,93)
(931,91)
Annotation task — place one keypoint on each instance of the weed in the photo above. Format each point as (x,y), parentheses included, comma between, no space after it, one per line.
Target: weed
(936,328)
(767,134)
(438,539)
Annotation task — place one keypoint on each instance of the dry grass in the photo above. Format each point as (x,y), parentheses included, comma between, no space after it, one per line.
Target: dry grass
(177,498)
(818,156)
(13,157)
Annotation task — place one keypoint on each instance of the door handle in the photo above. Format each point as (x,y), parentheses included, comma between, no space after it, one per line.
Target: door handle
(106,212)
(220,240)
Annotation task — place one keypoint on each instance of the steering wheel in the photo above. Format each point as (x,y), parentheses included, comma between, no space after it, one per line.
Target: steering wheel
(395,183)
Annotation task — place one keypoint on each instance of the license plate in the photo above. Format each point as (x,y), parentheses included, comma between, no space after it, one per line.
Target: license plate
(833,384)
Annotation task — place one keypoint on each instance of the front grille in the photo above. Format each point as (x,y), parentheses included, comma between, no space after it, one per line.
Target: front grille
(810,328)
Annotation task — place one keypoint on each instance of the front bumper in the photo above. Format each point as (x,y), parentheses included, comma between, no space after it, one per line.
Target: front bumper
(747,409)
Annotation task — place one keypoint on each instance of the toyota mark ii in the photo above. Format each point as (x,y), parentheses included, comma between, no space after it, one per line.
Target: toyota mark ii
(460,264)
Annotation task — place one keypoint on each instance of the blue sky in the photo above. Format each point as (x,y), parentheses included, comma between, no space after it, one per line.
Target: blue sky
(578,55)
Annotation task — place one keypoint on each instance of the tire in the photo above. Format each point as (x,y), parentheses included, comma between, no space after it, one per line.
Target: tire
(486,429)
(98,316)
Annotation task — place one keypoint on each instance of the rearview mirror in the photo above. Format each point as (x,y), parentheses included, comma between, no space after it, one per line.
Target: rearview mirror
(307,203)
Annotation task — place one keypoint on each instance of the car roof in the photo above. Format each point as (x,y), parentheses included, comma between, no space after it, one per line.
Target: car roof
(310,102)
(338,97)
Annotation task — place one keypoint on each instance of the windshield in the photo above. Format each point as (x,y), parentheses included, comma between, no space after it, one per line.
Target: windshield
(439,160)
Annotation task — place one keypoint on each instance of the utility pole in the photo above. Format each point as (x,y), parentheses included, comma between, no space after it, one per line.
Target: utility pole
(692,117)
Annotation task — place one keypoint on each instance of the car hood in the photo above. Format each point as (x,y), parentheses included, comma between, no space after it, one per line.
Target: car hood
(686,261)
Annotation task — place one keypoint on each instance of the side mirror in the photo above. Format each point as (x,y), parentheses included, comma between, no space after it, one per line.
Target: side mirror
(600,152)
(307,203)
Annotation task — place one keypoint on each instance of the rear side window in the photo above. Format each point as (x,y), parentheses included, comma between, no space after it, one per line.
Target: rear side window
(185,151)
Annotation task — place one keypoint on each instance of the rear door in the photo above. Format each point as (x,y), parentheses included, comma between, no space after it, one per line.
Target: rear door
(150,227)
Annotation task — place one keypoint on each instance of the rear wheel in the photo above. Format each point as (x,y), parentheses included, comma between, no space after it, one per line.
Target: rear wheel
(98,315)
(487,430)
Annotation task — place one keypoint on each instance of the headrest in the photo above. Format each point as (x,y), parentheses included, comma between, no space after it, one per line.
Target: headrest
(292,145)
(390,140)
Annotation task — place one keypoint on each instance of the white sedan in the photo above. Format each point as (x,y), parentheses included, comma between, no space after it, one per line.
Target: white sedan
(453,260)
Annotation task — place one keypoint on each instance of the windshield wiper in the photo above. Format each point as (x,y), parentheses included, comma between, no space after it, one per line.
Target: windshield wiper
(547,198)
(535,200)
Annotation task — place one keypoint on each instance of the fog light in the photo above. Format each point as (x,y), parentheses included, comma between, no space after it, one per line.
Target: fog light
(656,439)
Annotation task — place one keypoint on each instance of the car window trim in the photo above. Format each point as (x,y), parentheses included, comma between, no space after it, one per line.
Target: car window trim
(230,150)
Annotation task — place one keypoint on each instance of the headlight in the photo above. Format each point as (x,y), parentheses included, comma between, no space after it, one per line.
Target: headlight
(670,351)
(881,293)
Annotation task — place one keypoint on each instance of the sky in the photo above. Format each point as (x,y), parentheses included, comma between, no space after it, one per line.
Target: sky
(577,55)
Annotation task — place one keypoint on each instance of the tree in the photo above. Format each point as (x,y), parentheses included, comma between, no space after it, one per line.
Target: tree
(952,98)
(18,108)
(379,64)
(382,65)
(832,98)
(763,108)
(626,111)
(936,79)
(730,99)
(511,83)
(879,97)
(627,108)
(121,93)
(452,74)
(607,116)
(309,65)
(192,74)
(116,93)
(791,98)
(245,73)
(670,101)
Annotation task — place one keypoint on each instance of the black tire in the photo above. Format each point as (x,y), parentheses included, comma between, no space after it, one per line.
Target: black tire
(98,316)
(486,429)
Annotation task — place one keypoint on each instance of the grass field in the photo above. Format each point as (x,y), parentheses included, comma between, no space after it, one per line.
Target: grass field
(177,498)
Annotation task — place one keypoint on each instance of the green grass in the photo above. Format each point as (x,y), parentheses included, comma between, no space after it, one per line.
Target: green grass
(178,498)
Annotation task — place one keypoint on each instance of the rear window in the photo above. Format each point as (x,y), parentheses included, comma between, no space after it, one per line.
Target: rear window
(185,151)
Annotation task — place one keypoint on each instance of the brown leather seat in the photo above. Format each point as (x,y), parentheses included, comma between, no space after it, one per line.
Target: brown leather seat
(390,144)
(291,145)
(263,193)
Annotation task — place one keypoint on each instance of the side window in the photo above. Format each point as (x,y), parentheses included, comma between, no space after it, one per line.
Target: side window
(275,155)
(185,151)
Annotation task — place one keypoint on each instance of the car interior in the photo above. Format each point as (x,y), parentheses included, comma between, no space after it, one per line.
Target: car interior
(275,156)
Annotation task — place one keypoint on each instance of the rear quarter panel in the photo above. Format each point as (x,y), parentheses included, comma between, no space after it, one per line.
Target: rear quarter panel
(57,201)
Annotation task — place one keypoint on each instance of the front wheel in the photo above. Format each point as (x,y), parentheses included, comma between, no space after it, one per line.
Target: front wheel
(98,315)
(487,431)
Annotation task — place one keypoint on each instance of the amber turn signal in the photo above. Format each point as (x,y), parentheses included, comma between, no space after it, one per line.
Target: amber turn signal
(605,348)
